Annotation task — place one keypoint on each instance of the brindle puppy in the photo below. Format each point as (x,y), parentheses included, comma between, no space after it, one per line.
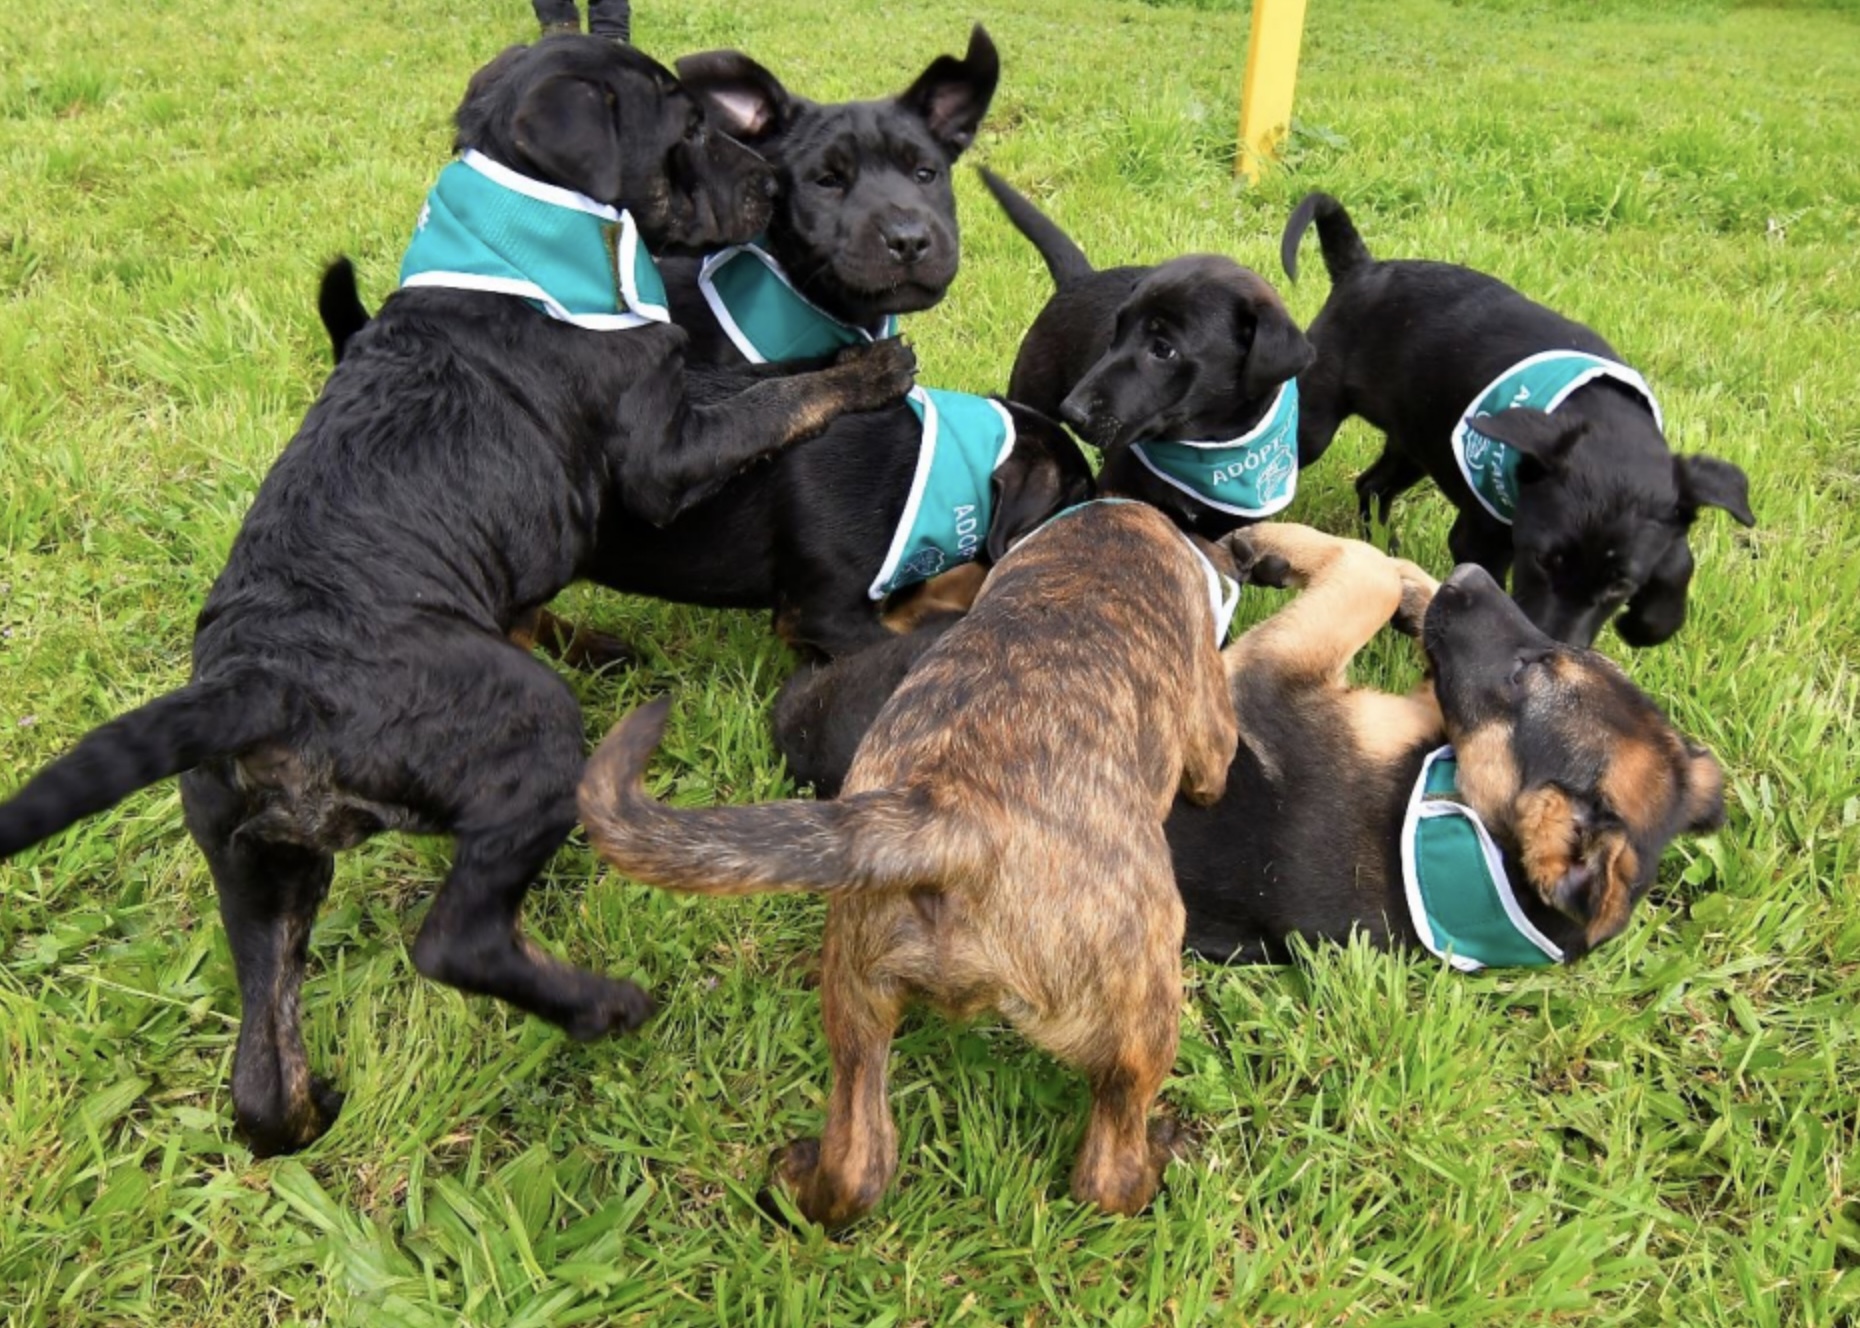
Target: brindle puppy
(999,845)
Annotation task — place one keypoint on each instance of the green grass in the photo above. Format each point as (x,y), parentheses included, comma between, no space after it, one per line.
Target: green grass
(1666,1133)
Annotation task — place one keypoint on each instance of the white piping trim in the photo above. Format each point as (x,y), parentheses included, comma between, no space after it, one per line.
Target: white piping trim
(1203,498)
(920,480)
(708,286)
(529,290)
(543,193)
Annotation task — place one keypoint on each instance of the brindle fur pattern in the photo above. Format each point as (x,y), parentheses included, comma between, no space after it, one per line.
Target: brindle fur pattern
(998,846)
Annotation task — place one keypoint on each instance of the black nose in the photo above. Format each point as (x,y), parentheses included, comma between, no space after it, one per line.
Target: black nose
(1076,411)
(908,240)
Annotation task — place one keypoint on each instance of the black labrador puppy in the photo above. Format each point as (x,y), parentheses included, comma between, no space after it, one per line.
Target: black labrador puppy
(1510,812)
(351,673)
(863,228)
(1183,374)
(1551,448)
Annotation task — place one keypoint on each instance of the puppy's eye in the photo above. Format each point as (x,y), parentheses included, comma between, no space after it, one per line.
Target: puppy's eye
(924,175)
(830,180)
(1162,350)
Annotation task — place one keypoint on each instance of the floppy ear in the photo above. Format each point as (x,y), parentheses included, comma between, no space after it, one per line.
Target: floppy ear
(1029,486)
(952,95)
(1705,481)
(566,128)
(1704,806)
(1540,437)
(1279,350)
(1586,871)
(747,102)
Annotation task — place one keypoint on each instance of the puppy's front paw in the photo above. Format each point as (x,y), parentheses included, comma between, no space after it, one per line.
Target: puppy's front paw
(876,373)
(1255,567)
(1417,592)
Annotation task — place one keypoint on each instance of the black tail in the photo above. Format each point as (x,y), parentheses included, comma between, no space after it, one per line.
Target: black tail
(1064,259)
(168,735)
(1344,250)
(340,306)
(880,840)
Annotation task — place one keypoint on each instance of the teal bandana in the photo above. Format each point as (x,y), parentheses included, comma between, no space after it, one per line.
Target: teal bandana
(766,317)
(1254,475)
(487,228)
(1542,382)
(952,497)
(1223,591)
(1459,895)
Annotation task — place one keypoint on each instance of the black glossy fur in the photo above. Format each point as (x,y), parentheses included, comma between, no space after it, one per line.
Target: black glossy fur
(1604,506)
(1193,349)
(350,667)
(1577,773)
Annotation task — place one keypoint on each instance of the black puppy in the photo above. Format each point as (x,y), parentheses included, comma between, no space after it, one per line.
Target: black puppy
(351,673)
(1550,447)
(1183,374)
(811,536)
(1528,844)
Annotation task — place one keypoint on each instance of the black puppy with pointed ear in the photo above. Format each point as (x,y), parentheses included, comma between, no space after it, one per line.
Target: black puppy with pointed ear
(1195,350)
(865,218)
(1602,507)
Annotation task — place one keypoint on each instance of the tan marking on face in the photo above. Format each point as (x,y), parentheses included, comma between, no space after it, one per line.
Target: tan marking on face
(1489,777)
(1638,783)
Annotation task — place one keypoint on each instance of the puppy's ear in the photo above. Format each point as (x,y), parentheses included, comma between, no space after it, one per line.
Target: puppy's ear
(1580,863)
(952,95)
(1028,488)
(745,100)
(1543,439)
(1705,481)
(567,129)
(1279,350)
(1704,791)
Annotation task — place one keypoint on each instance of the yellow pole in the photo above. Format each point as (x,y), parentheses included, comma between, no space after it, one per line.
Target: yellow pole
(1271,73)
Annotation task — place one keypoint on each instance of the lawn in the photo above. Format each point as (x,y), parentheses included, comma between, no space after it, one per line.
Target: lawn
(1665,1133)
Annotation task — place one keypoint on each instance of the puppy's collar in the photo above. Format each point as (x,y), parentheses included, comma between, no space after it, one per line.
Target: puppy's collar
(487,228)
(945,519)
(1253,475)
(1223,591)
(1459,894)
(766,318)
(1541,382)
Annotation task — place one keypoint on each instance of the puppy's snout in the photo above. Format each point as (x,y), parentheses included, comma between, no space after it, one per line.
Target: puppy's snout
(1078,409)
(1468,580)
(907,239)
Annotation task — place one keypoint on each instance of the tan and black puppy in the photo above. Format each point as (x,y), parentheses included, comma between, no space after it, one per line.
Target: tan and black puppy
(999,845)
(1577,778)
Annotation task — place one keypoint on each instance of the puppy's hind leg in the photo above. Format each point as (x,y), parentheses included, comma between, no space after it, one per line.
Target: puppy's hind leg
(511,769)
(1391,475)
(843,1174)
(269,895)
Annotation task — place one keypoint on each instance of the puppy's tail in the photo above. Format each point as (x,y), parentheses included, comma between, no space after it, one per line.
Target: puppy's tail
(340,306)
(881,840)
(1064,259)
(1344,250)
(172,733)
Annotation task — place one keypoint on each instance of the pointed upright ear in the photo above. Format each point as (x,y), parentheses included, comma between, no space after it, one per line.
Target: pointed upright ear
(567,130)
(1704,782)
(746,101)
(1542,438)
(952,95)
(1580,864)
(1278,351)
(1705,481)
(1030,486)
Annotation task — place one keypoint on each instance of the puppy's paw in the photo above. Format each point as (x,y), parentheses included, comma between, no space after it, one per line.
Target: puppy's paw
(1254,566)
(876,373)
(790,1169)
(1171,1140)
(1417,592)
(617,1006)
